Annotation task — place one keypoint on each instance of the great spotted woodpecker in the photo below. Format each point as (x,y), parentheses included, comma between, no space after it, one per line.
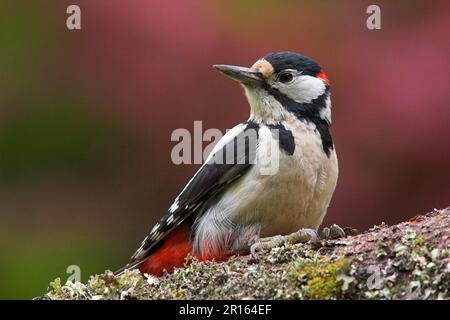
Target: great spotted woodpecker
(232,205)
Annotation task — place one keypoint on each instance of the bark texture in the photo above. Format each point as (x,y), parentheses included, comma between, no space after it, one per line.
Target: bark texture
(409,260)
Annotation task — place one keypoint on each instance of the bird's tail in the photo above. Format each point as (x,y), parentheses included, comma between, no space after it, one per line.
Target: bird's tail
(171,253)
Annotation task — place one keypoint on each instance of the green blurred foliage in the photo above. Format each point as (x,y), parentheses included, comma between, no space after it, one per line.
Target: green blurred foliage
(48,129)
(26,39)
(51,137)
(29,264)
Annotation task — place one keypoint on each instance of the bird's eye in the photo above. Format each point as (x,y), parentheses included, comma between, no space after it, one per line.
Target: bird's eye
(285,77)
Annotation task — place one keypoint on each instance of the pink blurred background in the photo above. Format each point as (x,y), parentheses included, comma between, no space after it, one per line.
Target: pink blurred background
(86,116)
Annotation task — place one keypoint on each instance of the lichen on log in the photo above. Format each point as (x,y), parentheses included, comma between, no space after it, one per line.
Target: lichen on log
(409,260)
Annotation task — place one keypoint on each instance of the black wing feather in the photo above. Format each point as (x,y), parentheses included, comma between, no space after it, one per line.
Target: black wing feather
(222,168)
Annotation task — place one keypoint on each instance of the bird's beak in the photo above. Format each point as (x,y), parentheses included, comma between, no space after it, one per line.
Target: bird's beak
(246,76)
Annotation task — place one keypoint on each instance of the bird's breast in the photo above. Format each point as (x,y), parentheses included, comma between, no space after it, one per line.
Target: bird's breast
(274,199)
(296,193)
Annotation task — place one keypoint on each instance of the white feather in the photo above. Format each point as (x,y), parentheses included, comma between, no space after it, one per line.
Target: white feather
(302,89)
(325,113)
(297,196)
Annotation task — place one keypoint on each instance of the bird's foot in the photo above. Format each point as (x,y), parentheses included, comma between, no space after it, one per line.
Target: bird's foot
(300,236)
(332,232)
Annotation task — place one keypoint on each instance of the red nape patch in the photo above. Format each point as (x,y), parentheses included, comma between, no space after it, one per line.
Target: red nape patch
(323,76)
(172,253)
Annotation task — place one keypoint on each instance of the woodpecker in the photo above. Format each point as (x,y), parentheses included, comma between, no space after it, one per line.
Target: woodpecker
(232,205)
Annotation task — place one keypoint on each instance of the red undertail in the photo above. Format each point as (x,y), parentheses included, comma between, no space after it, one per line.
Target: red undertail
(172,253)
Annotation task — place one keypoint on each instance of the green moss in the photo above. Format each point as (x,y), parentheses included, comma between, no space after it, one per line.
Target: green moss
(409,265)
(420,241)
(55,288)
(129,285)
(71,290)
(318,278)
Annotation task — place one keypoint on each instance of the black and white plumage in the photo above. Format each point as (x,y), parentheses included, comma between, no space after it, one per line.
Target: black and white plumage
(238,197)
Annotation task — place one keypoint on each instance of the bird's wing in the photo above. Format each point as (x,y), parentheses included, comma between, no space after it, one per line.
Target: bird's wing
(232,156)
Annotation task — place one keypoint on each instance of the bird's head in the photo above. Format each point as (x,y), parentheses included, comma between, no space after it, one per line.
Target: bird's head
(283,84)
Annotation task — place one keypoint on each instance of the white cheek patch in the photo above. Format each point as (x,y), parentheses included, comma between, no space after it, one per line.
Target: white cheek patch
(303,89)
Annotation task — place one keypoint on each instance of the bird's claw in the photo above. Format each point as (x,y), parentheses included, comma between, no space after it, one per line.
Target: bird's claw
(332,232)
(300,236)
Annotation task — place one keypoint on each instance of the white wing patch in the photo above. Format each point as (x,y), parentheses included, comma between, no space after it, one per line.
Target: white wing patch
(228,137)
(190,198)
